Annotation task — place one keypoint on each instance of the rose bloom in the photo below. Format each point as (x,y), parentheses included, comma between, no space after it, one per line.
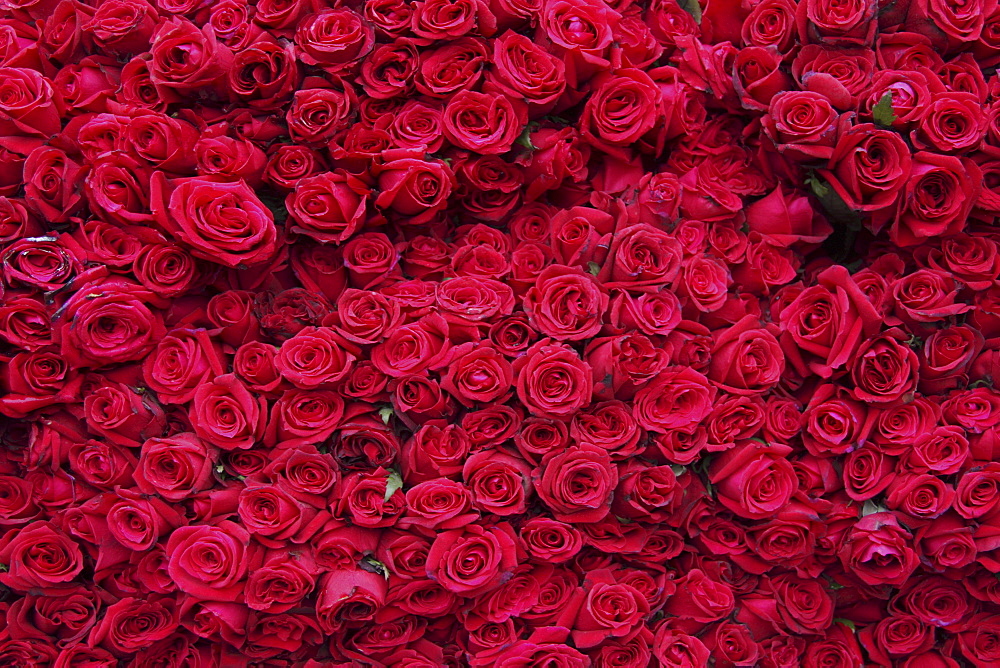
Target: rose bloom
(879,551)
(222,222)
(473,560)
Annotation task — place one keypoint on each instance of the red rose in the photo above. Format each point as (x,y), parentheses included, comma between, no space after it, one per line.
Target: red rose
(645,493)
(329,207)
(174,467)
(674,648)
(274,513)
(878,551)
(936,199)
(825,323)
(39,556)
(550,541)
(29,103)
(833,423)
(754,480)
(700,599)
(35,380)
(334,39)
(838,647)
(474,560)
(803,124)
(107,323)
(582,30)
(227,415)
(221,222)
(52,183)
(121,415)
(566,303)
(499,483)
(522,69)
(483,123)
(577,483)
(552,380)
(757,76)
(822,22)
(954,26)
(677,399)
(131,625)
(453,67)
(884,369)
(622,109)
(211,562)
(369,501)
(185,57)
(315,357)
(609,609)
(414,188)
(320,111)
(746,359)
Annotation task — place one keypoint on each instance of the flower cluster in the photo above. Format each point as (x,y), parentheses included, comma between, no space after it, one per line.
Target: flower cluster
(574,333)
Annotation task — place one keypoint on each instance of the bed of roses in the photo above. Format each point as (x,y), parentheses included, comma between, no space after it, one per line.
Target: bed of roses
(564,333)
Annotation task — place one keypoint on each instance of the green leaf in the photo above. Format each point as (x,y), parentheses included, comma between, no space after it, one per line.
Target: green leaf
(593,268)
(834,205)
(678,470)
(393,484)
(691,7)
(276,203)
(870,507)
(883,112)
(373,565)
(3,568)
(846,622)
(525,138)
(385,413)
